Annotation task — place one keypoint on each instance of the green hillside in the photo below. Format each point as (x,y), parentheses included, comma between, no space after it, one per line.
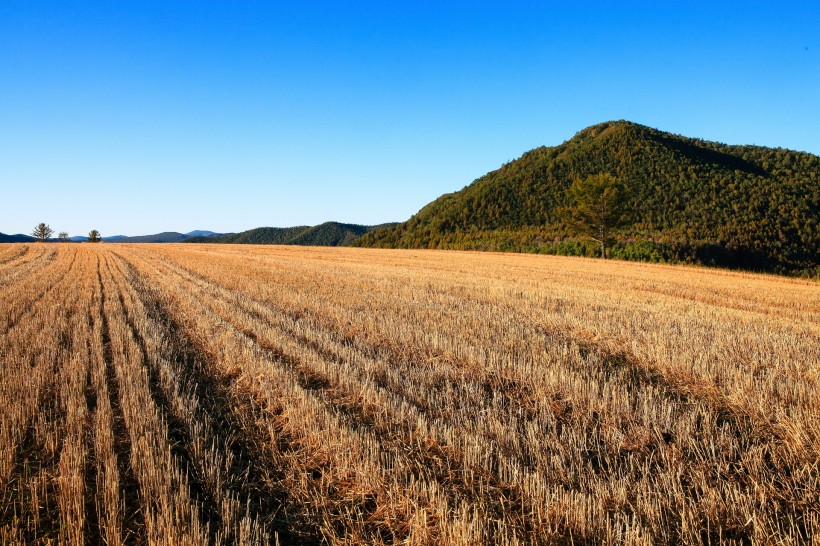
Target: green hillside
(327,234)
(694,201)
(330,234)
(257,236)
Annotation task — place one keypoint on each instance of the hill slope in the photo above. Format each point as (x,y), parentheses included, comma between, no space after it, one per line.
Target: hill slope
(17,238)
(164,237)
(327,234)
(695,201)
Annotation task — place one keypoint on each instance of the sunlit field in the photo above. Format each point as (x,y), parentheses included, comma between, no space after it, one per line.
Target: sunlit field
(197,394)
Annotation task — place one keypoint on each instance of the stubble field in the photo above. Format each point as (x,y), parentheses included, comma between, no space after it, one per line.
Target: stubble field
(197,394)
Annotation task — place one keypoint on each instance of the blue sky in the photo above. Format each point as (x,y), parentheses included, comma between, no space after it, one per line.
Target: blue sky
(139,117)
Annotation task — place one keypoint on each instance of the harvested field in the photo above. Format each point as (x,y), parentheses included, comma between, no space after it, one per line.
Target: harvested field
(219,394)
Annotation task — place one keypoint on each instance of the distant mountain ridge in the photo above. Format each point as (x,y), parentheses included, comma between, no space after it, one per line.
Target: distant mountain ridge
(16,238)
(326,234)
(164,237)
(695,201)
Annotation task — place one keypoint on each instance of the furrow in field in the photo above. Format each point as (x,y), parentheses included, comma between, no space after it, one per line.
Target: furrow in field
(107,502)
(79,518)
(30,352)
(311,423)
(742,377)
(29,506)
(43,424)
(125,521)
(340,368)
(11,253)
(207,456)
(73,454)
(172,414)
(19,269)
(169,513)
(26,295)
(221,435)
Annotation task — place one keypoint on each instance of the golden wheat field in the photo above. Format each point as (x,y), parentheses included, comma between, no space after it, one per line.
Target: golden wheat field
(210,394)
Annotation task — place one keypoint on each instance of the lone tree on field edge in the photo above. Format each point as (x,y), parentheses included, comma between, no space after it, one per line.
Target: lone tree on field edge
(42,232)
(94,236)
(63,236)
(598,208)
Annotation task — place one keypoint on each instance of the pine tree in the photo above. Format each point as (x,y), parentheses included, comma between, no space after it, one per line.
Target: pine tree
(599,208)
(42,232)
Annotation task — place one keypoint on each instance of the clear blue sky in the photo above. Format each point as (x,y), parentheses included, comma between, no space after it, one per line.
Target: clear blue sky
(136,117)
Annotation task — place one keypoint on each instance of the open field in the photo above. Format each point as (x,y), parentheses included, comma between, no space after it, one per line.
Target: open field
(179,394)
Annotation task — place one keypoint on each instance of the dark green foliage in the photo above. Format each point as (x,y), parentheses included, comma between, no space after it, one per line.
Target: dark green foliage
(597,208)
(330,234)
(327,234)
(694,201)
(258,236)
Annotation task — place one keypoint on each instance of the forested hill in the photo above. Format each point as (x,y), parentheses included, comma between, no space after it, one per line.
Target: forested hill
(18,238)
(327,234)
(694,201)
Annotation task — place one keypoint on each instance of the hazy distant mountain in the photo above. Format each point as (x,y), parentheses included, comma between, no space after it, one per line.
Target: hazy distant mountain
(164,237)
(327,234)
(17,238)
(694,201)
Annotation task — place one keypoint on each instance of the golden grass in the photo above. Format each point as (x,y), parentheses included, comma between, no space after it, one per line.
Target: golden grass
(198,394)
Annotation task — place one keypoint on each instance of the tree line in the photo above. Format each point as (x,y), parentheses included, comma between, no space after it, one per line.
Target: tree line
(42,232)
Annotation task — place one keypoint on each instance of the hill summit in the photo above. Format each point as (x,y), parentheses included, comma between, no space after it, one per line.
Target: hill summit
(327,234)
(695,201)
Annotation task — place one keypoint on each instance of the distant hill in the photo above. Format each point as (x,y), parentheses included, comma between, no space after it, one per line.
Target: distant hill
(695,201)
(327,234)
(17,238)
(164,237)
(257,236)
(330,234)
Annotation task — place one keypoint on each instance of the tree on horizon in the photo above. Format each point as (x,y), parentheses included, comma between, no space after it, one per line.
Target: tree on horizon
(42,232)
(94,236)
